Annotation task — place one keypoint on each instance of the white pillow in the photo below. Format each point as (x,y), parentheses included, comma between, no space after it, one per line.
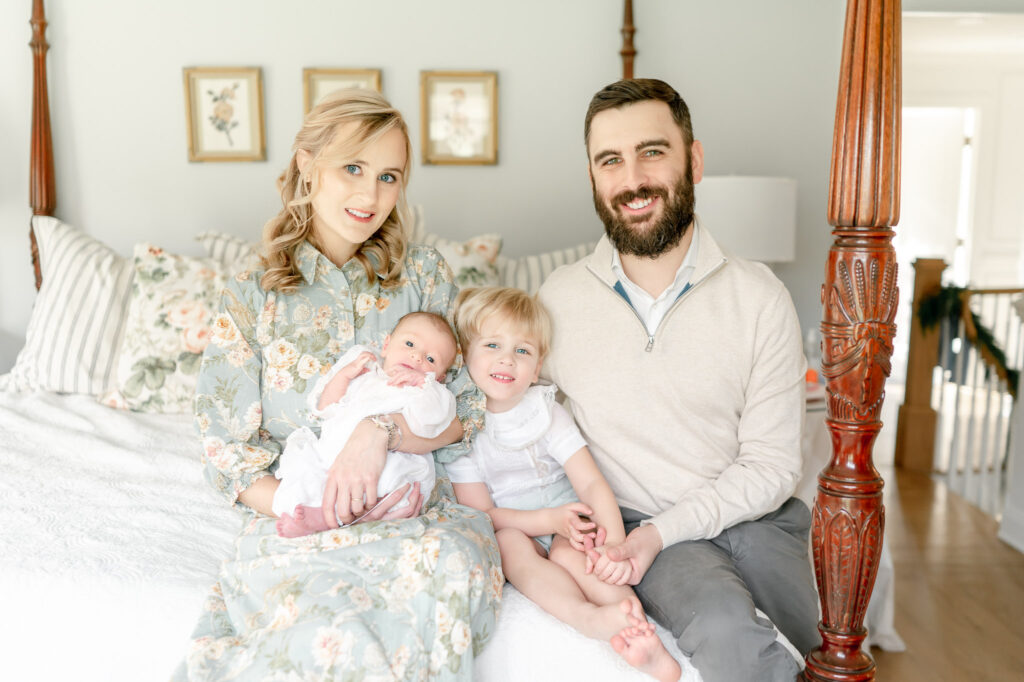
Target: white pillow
(78,318)
(173,302)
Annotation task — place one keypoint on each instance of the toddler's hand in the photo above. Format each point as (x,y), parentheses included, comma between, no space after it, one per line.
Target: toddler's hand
(406,376)
(611,572)
(566,522)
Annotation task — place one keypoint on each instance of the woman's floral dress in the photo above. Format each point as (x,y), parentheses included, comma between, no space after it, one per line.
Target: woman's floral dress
(411,599)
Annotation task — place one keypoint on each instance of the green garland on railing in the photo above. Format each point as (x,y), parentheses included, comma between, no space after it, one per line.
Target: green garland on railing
(947,304)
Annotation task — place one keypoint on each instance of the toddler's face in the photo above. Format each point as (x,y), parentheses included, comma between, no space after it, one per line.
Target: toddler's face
(503,361)
(418,344)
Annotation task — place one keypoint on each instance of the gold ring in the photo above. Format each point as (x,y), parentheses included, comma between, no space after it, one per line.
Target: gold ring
(357,499)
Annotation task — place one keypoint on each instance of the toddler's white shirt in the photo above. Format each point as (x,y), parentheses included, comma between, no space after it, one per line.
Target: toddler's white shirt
(520,449)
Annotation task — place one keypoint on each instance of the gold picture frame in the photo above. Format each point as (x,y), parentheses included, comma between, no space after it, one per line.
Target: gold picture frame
(459,115)
(224,113)
(318,83)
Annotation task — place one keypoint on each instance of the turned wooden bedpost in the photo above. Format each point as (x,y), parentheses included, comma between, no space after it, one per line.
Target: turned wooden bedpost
(42,185)
(859,300)
(628,52)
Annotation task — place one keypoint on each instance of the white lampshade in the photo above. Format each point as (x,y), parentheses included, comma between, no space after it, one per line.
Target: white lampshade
(752,217)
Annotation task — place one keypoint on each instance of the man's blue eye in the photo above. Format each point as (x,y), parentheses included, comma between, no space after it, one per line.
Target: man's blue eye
(611,161)
(388,178)
(353,169)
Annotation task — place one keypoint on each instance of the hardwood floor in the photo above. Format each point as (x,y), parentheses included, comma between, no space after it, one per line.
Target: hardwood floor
(959,589)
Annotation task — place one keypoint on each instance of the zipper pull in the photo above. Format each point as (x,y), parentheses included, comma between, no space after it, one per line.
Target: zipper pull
(650,343)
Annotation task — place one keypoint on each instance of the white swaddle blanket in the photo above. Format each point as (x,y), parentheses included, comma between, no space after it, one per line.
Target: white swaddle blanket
(427,409)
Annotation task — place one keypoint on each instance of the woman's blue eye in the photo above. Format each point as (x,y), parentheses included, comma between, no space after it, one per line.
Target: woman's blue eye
(388,178)
(353,169)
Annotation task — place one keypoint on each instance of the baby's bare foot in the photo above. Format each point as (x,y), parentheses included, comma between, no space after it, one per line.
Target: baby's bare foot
(642,649)
(302,521)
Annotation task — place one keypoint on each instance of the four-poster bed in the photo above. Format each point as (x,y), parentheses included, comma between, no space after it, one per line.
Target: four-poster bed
(858,297)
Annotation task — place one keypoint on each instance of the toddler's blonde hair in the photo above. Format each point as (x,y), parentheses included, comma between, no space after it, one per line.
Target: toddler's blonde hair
(521,310)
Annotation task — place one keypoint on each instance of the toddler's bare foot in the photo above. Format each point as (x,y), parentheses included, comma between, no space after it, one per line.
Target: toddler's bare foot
(642,649)
(302,521)
(607,621)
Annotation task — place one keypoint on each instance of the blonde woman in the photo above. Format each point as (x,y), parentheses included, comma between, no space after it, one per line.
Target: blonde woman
(403,597)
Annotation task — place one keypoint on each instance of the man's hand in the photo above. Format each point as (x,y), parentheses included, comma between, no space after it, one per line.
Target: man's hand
(640,549)
(611,572)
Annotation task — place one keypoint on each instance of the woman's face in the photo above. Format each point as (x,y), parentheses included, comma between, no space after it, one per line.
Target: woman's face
(356,195)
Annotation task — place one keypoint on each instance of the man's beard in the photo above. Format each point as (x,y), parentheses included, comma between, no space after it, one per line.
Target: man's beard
(660,237)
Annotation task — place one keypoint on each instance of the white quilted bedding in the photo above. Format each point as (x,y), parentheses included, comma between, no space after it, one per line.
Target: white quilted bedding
(109,539)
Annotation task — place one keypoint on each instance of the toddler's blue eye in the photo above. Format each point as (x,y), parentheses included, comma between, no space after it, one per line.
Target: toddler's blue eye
(523,351)
(490,345)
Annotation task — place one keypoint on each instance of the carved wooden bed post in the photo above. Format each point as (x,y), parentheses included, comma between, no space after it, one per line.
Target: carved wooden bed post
(858,306)
(628,52)
(42,186)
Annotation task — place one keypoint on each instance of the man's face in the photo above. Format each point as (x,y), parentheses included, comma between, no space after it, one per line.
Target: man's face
(642,174)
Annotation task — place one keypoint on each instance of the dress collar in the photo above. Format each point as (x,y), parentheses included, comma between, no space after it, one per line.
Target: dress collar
(307,257)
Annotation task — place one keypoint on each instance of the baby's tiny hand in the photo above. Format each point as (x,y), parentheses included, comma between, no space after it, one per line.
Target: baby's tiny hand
(358,366)
(406,376)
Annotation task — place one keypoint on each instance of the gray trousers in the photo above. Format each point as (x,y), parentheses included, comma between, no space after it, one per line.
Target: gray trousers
(705,593)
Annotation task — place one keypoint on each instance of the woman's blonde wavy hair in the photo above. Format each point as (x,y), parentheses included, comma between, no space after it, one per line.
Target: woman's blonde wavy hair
(384,252)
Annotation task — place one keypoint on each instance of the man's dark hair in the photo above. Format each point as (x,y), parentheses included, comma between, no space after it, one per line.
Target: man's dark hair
(633,90)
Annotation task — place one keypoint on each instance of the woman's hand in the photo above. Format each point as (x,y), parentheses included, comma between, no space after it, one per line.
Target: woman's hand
(566,521)
(351,486)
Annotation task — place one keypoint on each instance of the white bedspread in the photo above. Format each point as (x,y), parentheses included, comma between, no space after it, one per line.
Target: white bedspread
(109,539)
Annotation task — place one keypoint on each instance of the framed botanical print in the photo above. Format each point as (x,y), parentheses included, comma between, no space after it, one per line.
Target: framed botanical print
(224,113)
(318,83)
(459,113)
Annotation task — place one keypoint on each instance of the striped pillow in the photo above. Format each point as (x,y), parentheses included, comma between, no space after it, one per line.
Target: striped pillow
(78,318)
(227,249)
(529,272)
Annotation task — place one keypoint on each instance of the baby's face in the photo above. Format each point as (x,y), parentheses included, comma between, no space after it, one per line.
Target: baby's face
(418,344)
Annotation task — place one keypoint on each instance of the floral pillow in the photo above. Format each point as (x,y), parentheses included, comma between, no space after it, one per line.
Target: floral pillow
(172,305)
(473,261)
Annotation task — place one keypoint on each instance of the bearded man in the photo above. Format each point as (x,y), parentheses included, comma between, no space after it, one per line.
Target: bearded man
(683,367)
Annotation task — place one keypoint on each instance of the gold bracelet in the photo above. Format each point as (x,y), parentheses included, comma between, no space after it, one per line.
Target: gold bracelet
(388,425)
